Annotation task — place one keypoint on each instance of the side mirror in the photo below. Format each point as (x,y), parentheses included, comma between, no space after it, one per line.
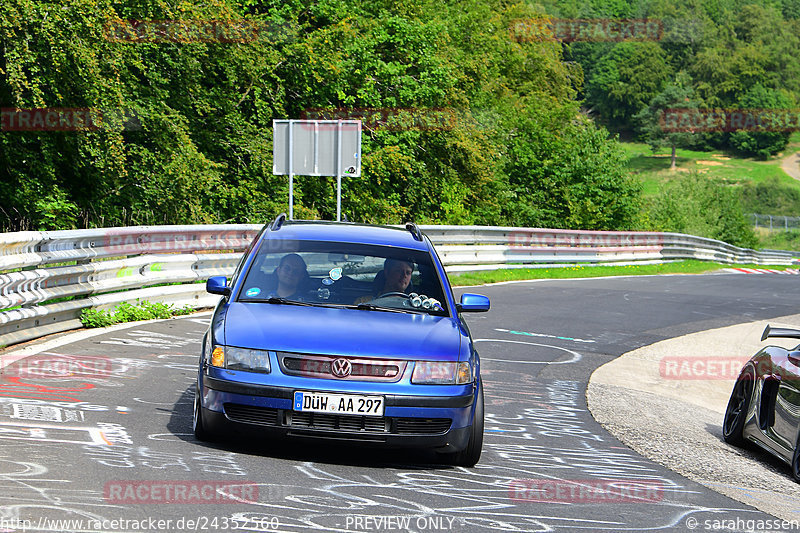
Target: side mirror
(218,285)
(473,303)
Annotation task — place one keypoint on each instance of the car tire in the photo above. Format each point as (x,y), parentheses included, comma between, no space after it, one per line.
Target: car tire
(200,431)
(470,455)
(738,405)
(796,461)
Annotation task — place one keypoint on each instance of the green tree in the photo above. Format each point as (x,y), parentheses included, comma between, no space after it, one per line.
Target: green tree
(625,80)
(195,102)
(762,139)
(202,148)
(572,176)
(678,94)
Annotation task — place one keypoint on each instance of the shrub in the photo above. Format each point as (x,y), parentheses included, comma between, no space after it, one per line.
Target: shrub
(127,312)
(771,196)
(701,206)
(97,318)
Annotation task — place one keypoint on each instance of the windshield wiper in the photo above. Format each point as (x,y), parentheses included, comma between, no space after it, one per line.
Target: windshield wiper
(415,310)
(362,306)
(278,300)
(372,307)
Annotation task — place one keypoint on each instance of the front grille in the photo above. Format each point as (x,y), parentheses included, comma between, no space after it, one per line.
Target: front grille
(251,414)
(320,366)
(373,424)
(267,416)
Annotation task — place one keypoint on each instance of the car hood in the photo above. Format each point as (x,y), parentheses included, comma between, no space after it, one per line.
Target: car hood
(330,331)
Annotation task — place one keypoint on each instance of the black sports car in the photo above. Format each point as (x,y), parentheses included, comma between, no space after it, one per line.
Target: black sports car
(764,408)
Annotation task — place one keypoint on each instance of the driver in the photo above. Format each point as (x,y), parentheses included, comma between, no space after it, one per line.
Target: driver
(395,277)
(398,276)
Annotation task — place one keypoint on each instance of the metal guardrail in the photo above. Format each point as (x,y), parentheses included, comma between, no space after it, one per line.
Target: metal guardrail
(465,248)
(101,268)
(48,278)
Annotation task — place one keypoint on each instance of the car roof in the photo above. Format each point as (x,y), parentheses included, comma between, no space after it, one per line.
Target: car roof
(319,230)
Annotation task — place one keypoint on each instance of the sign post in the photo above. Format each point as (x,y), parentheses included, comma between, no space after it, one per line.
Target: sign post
(316,148)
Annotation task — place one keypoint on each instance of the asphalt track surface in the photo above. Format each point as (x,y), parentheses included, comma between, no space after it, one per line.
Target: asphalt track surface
(85,425)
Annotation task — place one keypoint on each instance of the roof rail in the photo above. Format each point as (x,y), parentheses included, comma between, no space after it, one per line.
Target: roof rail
(410,226)
(278,222)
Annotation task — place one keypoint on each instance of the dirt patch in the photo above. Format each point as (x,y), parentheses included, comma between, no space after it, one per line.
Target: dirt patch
(791,165)
(710,163)
(698,170)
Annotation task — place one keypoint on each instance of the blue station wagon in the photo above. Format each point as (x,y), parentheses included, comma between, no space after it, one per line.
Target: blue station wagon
(342,331)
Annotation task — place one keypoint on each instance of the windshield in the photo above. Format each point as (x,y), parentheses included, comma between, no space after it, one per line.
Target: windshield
(344,274)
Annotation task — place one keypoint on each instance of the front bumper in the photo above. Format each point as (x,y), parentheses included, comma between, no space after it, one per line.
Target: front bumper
(410,421)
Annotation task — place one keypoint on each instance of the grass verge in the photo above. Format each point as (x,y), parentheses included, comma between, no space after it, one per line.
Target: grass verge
(778,240)
(653,168)
(588,271)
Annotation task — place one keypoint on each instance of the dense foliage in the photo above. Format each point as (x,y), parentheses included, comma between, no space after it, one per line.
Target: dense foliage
(697,205)
(513,148)
(479,123)
(735,54)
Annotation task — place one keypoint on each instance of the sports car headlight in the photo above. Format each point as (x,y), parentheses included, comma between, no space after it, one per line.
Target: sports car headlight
(240,359)
(441,373)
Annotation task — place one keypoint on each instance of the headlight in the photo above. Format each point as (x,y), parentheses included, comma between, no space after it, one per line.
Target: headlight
(240,359)
(207,347)
(441,373)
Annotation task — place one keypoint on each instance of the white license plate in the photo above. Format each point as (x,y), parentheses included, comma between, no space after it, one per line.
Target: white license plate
(340,404)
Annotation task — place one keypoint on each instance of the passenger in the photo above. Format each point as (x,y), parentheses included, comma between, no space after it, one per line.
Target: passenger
(292,275)
(289,280)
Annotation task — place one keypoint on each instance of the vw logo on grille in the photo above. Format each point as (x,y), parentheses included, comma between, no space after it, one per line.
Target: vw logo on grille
(341,368)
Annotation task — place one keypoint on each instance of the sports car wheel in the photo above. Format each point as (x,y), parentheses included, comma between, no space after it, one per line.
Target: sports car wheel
(796,461)
(736,412)
(470,455)
(200,432)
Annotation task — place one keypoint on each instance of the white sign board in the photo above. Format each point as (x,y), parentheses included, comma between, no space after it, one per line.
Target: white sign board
(316,147)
